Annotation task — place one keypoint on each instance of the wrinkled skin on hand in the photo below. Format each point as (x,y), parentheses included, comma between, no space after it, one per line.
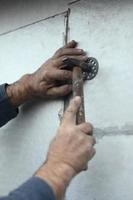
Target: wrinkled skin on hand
(51,79)
(73,144)
(69,152)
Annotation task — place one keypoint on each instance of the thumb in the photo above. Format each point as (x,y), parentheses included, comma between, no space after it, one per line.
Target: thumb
(71,44)
(71,111)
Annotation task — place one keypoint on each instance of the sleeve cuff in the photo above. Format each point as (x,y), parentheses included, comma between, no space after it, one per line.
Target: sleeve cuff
(7,110)
(34,189)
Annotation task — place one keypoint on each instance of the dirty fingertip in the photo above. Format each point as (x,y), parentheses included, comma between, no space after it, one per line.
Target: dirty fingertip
(68,88)
(77,100)
(75,43)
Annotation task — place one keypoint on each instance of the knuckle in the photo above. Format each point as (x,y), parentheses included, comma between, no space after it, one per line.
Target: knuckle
(87,127)
(60,51)
(84,58)
(92,140)
(64,91)
(90,126)
(89,152)
(89,145)
(66,74)
(47,74)
(94,151)
(53,62)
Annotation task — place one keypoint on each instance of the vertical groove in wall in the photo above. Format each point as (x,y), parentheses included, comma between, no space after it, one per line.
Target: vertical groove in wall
(73,2)
(67,27)
(66,38)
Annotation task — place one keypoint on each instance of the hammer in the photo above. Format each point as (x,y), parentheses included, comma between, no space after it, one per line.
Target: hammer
(82,70)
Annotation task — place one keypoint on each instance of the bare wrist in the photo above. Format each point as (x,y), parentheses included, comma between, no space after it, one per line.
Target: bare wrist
(19,92)
(58,176)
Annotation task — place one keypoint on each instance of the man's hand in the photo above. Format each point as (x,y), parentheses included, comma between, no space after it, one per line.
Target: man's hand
(50,80)
(69,152)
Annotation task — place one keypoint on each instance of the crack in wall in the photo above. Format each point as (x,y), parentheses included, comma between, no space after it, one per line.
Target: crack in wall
(66,13)
(73,2)
(33,23)
(65,41)
(66,38)
(126,130)
(67,27)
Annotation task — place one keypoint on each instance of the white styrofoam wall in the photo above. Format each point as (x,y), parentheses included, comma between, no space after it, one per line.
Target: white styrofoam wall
(24,141)
(104,29)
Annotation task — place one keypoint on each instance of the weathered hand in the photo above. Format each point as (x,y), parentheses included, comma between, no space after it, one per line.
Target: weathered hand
(50,80)
(73,144)
(69,152)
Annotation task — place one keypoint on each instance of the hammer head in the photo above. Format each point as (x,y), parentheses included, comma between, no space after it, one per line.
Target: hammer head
(89,67)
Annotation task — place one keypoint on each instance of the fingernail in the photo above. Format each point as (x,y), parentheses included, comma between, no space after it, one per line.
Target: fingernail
(85,58)
(64,59)
(80,50)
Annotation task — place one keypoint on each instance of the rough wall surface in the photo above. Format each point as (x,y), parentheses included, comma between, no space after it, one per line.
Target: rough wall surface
(24,141)
(104,28)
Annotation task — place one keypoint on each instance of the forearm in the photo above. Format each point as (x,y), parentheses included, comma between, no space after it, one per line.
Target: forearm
(33,189)
(12,96)
(49,183)
(20,91)
(57,176)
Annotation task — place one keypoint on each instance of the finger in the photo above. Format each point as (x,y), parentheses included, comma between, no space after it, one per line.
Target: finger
(71,44)
(77,57)
(92,153)
(87,128)
(59,62)
(59,91)
(69,51)
(60,75)
(71,111)
(91,140)
(90,156)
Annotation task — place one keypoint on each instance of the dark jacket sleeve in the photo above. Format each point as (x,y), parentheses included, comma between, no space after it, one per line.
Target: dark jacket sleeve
(7,111)
(34,189)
